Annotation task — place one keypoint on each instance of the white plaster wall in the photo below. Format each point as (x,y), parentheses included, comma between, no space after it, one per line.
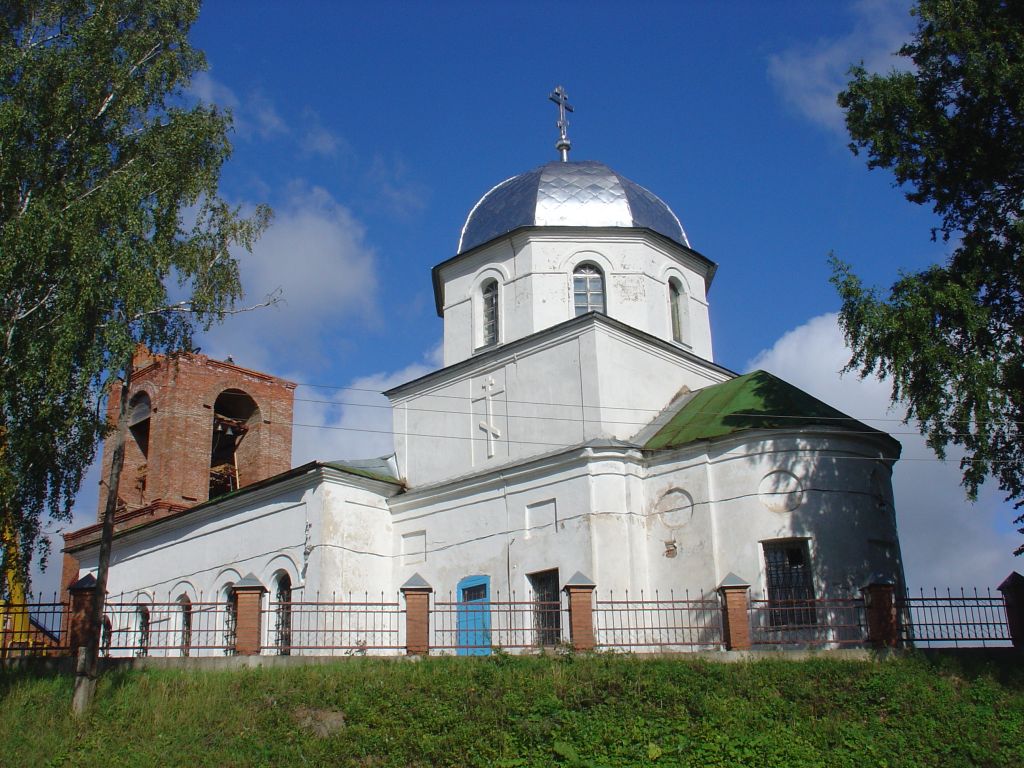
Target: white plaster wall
(482,526)
(680,531)
(200,553)
(534,272)
(593,380)
(616,518)
(597,509)
(636,380)
(848,527)
(352,541)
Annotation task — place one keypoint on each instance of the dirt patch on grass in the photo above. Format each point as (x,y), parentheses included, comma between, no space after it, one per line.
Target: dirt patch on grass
(320,722)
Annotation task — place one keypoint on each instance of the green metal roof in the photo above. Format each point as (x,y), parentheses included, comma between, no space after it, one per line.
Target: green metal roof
(755,400)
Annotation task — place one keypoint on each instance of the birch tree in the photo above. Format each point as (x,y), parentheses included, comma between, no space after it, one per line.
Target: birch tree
(112,229)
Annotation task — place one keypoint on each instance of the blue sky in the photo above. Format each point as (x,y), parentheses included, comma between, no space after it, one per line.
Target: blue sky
(373,128)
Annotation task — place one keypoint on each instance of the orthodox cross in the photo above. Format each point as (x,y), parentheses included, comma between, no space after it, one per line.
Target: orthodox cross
(561,98)
(487,425)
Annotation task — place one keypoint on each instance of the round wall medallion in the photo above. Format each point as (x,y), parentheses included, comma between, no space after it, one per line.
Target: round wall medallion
(675,508)
(780,491)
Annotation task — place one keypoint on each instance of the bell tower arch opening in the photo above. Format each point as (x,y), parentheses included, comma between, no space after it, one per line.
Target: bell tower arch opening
(233,449)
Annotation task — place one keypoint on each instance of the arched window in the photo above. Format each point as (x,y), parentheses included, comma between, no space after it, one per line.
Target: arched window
(235,414)
(588,289)
(489,302)
(675,305)
(230,619)
(283,615)
(142,622)
(185,606)
(139,410)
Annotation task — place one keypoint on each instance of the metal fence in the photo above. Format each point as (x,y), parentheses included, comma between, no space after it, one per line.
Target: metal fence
(808,623)
(354,625)
(952,619)
(475,627)
(658,623)
(182,627)
(334,626)
(32,629)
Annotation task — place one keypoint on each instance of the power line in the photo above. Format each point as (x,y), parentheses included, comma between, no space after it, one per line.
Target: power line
(588,408)
(605,407)
(541,443)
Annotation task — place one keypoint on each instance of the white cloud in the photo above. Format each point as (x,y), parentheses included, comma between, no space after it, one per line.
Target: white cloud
(351,423)
(397,193)
(254,116)
(212,91)
(318,140)
(810,77)
(315,254)
(946,540)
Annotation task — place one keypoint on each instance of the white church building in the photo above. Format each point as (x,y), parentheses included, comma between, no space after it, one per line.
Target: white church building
(579,426)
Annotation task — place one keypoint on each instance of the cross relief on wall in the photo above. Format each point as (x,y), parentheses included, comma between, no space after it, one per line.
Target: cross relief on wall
(488,424)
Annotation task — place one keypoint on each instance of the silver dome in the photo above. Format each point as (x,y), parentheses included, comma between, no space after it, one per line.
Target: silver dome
(572,194)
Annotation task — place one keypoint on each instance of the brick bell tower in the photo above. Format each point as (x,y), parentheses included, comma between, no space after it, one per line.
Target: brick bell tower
(197,429)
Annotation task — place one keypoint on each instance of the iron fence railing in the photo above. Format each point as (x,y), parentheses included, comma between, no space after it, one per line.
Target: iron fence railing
(353,625)
(818,622)
(32,628)
(658,623)
(134,627)
(334,625)
(953,619)
(475,627)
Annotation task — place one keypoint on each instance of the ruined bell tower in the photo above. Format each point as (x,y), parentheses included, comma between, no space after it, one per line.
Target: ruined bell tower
(197,429)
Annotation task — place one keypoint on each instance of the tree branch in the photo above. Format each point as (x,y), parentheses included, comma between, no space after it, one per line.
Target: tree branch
(99,185)
(185,307)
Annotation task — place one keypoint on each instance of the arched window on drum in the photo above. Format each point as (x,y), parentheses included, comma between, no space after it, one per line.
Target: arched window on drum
(490,322)
(587,289)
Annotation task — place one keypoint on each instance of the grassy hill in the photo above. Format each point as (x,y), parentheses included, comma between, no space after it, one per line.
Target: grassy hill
(507,711)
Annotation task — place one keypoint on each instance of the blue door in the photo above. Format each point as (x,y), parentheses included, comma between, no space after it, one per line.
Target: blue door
(474,615)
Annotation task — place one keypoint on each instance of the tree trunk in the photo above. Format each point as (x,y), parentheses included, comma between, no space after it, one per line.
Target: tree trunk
(87,667)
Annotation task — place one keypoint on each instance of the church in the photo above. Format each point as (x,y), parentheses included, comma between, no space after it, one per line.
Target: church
(579,428)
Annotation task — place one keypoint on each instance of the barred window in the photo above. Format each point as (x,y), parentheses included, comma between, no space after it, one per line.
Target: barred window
(489,295)
(230,619)
(185,605)
(790,582)
(283,615)
(546,607)
(588,289)
(142,619)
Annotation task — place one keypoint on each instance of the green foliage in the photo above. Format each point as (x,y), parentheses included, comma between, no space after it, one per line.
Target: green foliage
(599,711)
(108,205)
(951,338)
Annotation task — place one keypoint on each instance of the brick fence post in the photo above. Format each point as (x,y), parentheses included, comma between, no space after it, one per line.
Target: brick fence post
(1013,597)
(734,592)
(80,607)
(249,617)
(880,612)
(417,615)
(580,591)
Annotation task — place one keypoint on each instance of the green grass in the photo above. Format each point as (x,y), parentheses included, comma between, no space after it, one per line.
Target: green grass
(507,711)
